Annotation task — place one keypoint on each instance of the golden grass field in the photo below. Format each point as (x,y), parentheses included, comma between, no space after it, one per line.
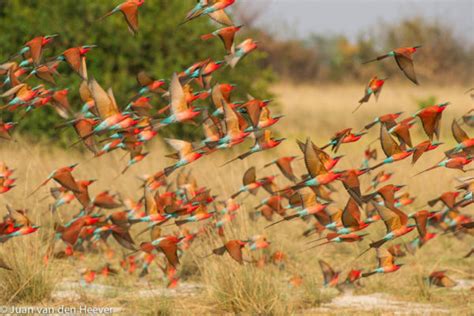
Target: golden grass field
(218,285)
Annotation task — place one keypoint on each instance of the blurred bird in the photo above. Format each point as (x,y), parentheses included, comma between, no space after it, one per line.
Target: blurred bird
(129,9)
(404,59)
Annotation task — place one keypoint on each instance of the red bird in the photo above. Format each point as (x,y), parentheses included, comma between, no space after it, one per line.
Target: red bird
(129,10)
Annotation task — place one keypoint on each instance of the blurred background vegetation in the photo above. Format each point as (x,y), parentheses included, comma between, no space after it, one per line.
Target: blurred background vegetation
(162,47)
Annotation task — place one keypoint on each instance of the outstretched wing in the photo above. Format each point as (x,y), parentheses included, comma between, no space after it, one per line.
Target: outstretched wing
(405,63)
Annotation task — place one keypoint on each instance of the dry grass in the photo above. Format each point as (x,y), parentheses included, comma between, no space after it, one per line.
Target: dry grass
(227,287)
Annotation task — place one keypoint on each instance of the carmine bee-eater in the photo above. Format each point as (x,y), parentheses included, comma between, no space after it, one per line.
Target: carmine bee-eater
(374,87)
(451,163)
(284,165)
(46,72)
(391,148)
(240,51)
(149,85)
(250,183)
(75,58)
(343,137)
(331,277)
(380,177)
(34,48)
(403,57)
(263,141)
(351,218)
(129,9)
(233,248)
(430,118)
(180,110)
(337,238)
(187,154)
(387,119)
(402,131)
(422,148)
(311,207)
(421,219)
(234,133)
(213,8)
(135,159)
(440,279)
(447,198)
(226,34)
(386,263)
(465,143)
(62,176)
(396,223)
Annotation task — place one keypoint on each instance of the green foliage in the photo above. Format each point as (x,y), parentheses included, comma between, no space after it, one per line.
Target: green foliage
(161,48)
(428,101)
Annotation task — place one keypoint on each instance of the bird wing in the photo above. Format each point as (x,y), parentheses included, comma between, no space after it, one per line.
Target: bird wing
(253,110)
(36,49)
(84,91)
(66,179)
(421,218)
(458,133)
(313,163)
(230,117)
(144,79)
(221,17)
(184,148)
(405,63)
(178,98)
(385,257)
(403,134)
(130,12)
(420,149)
(250,176)
(106,106)
(389,145)
(429,121)
(228,40)
(150,203)
(73,58)
(328,272)
(285,167)
(170,249)
(389,217)
(351,214)
(235,251)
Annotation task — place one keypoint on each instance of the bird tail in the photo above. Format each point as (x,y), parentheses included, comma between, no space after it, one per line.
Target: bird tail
(426,170)
(377,244)
(268,164)
(107,15)
(376,59)
(361,101)
(39,187)
(180,222)
(232,160)
(169,170)
(232,60)
(287,218)
(324,243)
(369,126)
(367,274)
(206,37)
(376,166)
(298,186)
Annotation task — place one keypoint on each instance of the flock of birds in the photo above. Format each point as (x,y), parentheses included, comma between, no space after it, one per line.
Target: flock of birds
(103,126)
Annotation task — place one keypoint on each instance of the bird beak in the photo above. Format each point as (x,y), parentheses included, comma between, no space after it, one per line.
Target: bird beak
(418,46)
